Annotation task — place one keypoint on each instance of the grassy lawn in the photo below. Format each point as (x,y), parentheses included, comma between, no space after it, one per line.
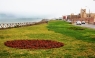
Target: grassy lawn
(78,42)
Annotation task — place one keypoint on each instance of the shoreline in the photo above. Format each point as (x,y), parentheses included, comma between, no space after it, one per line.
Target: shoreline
(18,20)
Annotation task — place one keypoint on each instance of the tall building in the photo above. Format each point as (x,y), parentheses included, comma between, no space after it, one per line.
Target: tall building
(83,13)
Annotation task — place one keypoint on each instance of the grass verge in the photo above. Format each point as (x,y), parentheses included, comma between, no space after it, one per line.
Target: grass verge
(80,33)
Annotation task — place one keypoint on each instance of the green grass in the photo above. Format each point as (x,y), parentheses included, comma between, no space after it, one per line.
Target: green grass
(78,42)
(77,32)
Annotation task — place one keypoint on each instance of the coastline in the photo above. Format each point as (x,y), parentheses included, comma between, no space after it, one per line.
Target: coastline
(18,20)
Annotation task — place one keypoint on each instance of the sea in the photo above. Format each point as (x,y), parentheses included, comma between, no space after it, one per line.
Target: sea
(19,20)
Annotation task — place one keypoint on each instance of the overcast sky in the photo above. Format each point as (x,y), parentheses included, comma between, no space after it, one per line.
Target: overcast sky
(46,7)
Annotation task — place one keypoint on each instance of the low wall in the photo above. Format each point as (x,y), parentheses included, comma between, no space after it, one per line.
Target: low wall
(15,25)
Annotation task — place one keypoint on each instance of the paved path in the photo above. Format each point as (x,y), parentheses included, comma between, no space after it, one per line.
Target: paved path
(86,25)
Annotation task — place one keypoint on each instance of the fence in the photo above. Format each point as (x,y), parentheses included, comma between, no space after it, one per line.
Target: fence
(15,25)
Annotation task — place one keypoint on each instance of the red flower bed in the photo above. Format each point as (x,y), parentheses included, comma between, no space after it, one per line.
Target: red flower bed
(33,44)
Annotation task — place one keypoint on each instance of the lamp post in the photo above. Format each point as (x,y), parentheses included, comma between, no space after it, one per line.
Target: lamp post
(89,12)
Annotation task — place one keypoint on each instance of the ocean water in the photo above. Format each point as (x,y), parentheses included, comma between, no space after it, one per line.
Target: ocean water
(18,20)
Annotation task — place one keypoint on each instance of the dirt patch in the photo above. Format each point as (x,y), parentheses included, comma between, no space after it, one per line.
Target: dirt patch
(33,44)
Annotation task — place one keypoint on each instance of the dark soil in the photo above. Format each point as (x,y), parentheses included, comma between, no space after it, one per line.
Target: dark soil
(33,44)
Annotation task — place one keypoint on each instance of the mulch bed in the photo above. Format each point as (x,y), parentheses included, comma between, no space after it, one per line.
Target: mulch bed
(33,44)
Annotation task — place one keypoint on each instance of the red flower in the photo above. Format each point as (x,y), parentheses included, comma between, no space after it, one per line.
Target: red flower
(33,44)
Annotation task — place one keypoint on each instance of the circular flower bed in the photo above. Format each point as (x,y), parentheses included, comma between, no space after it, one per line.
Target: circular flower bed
(33,44)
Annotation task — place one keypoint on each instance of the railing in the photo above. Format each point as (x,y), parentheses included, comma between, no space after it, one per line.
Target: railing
(15,25)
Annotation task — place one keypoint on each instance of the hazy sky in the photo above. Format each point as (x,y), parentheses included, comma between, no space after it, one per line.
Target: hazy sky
(46,7)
